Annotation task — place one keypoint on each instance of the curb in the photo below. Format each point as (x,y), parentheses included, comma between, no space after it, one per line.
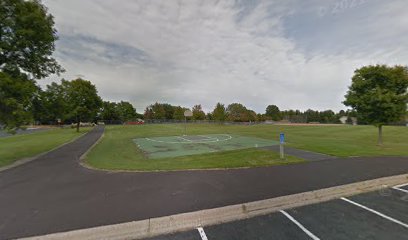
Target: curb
(186,221)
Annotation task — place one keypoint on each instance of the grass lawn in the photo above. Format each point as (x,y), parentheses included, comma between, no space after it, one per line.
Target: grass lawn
(117,151)
(17,147)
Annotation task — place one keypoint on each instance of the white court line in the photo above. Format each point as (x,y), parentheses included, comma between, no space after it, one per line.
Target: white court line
(228,137)
(310,234)
(399,187)
(376,212)
(207,137)
(183,138)
(202,233)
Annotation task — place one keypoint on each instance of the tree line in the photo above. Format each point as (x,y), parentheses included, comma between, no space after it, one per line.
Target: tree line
(75,101)
(234,112)
(237,112)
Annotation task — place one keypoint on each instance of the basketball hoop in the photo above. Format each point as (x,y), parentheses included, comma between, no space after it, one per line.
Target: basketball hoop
(187,113)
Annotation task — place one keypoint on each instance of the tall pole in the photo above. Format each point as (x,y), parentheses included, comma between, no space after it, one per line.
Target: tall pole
(185,126)
(281,143)
(187,113)
(282,154)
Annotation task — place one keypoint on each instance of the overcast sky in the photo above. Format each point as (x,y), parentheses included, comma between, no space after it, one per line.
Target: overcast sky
(293,53)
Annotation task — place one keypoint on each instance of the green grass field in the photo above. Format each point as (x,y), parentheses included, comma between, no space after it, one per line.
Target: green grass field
(117,151)
(28,145)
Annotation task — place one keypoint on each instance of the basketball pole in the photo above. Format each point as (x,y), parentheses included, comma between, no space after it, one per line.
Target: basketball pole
(281,147)
(187,113)
(282,152)
(185,126)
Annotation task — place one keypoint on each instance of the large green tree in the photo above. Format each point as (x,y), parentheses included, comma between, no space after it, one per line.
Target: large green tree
(126,111)
(27,38)
(236,112)
(168,111)
(15,100)
(379,95)
(179,113)
(198,113)
(83,100)
(27,41)
(38,108)
(109,111)
(159,111)
(312,115)
(328,116)
(51,105)
(148,113)
(273,112)
(219,113)
(123,111)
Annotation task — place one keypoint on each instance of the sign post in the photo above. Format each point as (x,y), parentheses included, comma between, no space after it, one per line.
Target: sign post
(187,113)
(281,148)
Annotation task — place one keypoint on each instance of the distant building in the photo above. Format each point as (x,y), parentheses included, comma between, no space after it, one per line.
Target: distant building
(343,120)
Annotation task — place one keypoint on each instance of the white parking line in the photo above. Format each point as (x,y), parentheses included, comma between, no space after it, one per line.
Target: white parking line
(399,187)
(402,185)
(202,233)
(376,212)
(310,234)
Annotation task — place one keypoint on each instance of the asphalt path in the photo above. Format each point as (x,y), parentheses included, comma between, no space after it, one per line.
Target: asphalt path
(55,193)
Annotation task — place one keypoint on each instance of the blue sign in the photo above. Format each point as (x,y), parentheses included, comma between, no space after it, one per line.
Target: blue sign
(282,138)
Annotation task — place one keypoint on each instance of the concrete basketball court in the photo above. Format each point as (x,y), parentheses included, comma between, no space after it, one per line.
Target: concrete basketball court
(55,193)
(175,146)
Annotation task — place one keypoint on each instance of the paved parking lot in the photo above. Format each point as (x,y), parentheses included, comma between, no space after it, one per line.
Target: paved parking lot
(375,215)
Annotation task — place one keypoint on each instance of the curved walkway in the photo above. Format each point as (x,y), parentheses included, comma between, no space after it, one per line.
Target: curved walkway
(55,193)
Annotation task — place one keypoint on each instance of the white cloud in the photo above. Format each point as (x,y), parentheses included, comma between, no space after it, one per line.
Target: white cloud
(189,52)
